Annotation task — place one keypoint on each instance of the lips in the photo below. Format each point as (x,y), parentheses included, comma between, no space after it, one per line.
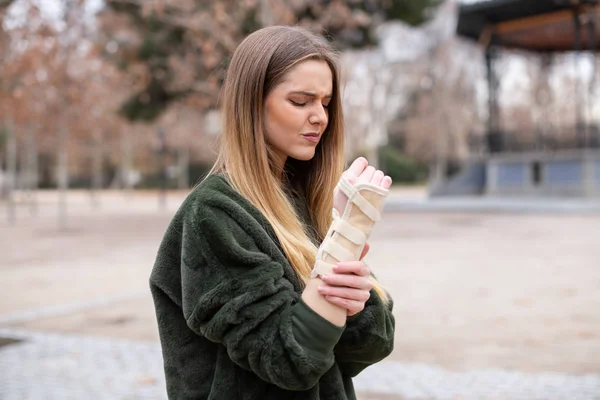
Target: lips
(312,136)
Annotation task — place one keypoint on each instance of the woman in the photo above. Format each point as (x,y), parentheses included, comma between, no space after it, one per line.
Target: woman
(239,316)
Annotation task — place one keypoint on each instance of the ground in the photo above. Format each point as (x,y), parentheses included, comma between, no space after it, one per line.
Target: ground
(488,305)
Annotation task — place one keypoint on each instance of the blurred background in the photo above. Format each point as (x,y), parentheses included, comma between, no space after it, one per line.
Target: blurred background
(484,113)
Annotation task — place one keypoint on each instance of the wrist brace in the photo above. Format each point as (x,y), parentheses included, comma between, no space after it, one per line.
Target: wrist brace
(347,235)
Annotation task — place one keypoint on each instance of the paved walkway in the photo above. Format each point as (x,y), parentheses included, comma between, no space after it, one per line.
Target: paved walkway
(72,367)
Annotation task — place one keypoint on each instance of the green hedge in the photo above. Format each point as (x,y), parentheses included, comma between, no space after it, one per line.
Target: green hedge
(401,167)
(154,181)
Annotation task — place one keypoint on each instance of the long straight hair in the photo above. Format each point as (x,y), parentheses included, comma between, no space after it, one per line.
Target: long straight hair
(259,63)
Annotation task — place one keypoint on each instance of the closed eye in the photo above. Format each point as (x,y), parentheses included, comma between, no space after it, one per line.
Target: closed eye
(297,104)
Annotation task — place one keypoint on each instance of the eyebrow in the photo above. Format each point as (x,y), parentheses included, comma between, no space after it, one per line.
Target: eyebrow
(312,94)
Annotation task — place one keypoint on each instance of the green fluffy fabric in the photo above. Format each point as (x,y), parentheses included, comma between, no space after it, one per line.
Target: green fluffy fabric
(231,321)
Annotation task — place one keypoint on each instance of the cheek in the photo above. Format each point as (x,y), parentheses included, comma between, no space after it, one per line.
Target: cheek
(284,119)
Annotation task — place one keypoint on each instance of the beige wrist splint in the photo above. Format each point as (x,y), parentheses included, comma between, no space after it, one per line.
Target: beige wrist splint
(349,232)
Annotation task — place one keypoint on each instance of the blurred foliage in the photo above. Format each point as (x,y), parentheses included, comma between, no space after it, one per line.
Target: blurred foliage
(5,3)
(413,12)
(401,167)
(3,136)
(180,50)
(197,171)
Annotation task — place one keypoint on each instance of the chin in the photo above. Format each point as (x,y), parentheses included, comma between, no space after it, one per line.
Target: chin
(304,156)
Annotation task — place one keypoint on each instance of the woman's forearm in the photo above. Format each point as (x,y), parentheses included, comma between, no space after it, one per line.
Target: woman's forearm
(331,312)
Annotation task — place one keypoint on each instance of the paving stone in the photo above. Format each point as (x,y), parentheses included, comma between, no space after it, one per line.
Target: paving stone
(46,366)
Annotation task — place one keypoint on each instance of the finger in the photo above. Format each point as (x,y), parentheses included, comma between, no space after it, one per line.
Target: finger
(386,182)
(377,178)
(324,284)
(352,267)
(345,293)
(348,281)
(365,251)
(357,167)
(367,174)
(352,306)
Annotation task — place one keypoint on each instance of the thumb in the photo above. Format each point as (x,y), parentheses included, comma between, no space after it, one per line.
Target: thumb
(351,178)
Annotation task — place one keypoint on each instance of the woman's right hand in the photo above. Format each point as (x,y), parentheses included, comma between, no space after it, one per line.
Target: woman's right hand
(360,171)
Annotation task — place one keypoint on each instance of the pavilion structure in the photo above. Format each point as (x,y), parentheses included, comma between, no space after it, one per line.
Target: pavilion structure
(553,163)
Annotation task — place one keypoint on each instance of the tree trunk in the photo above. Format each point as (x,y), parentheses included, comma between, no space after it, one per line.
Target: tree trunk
(32,169)
(183,181)
(11,170)
(162,162)
(438,176)
(126,161)
(266,13)
(63,175)
(97,175)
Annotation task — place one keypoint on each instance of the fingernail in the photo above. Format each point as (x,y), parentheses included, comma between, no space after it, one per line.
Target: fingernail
(324,277)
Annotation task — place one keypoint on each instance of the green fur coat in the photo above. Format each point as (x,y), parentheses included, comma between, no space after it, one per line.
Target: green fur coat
(231,321)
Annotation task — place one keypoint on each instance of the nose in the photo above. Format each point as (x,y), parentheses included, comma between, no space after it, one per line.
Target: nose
(318,116)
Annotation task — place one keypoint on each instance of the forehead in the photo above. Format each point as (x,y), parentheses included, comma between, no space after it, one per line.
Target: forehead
(310,75)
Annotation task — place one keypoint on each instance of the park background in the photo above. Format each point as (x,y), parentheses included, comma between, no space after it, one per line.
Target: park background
(109,115)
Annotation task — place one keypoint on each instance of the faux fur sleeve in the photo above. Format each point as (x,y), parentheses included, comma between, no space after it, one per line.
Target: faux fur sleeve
(368,338)
(235,292)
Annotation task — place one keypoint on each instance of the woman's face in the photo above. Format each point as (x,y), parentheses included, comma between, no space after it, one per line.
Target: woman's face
(296,112)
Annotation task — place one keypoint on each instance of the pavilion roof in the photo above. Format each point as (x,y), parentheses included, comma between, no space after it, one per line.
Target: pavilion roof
(535,25)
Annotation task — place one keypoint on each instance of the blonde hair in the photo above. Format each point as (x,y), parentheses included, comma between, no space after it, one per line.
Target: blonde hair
(257,66)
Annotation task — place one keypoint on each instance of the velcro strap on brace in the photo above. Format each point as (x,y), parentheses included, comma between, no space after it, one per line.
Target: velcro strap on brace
(337,251)
(348,231)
